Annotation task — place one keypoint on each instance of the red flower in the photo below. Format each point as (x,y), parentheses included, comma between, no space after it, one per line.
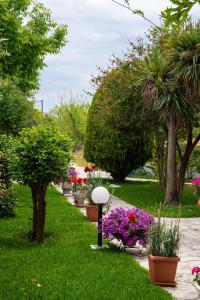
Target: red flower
(85,181)
(86,169)
(89,168)
(74,179)
(132,217)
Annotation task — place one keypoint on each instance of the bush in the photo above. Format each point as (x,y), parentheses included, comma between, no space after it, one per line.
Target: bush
(7,202)
(117,138)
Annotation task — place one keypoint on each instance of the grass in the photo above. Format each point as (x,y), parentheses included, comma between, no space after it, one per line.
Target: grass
(148,195)
(65,267)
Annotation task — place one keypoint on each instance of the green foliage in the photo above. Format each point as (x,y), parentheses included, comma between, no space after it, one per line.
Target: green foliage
(164,239)
(7,203)
(28,34)
(7,197)
(71,118)
(16,111)
(117,138)
(179,12)
(43,153)
(194,163)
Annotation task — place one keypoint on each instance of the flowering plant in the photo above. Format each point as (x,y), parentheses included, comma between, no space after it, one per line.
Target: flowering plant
(196,271)
(72,172)
(128,226)
(196,184)
(79,183)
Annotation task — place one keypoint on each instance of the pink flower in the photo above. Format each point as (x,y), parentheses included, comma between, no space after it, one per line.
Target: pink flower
(196,181)
(195,270)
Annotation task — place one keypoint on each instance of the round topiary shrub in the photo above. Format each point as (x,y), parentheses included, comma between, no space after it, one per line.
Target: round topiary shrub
(117,133)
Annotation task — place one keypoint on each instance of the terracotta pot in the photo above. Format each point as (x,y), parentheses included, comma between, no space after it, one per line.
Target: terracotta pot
(162,269)
(92,212)
(198,202)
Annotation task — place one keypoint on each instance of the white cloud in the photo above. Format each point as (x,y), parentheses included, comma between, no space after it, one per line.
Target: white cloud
(97,29)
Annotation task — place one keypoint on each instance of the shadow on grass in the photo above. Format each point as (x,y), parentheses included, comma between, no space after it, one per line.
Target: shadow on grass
(22,240)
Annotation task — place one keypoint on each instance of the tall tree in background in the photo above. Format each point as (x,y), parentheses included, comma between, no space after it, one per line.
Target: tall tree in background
(29,34)
(117,138)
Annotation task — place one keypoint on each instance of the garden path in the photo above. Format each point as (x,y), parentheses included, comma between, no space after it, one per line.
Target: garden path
(189,254)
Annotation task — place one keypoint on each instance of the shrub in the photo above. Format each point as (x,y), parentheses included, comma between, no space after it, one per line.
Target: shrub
(117,139)
(7,202)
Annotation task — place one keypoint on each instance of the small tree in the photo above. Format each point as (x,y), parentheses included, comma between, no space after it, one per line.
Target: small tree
(44,154)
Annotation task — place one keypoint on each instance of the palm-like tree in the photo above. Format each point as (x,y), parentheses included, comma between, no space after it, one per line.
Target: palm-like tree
(184,55)
(167,102)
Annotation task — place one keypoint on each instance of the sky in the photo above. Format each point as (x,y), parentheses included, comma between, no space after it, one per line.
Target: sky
(96,30)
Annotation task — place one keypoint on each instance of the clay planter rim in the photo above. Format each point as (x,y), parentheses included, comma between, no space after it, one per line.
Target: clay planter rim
(163,258)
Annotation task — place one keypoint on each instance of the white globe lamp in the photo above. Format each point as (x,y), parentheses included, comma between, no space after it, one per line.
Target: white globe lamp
(100,195)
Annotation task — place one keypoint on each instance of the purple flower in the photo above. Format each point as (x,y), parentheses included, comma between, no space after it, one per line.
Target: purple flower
(118,225)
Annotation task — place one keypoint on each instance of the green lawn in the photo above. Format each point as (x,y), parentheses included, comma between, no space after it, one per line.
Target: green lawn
(148,195)
(65,267)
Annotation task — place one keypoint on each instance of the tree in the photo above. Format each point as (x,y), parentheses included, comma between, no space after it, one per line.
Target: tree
(185,60)
(28,34)
(117,132)
(179,12)
(43,154)
(16,111)
(169,76)
(71,117)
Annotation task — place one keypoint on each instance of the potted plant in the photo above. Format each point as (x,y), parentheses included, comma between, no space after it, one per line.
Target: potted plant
(163,246)
(79,191)
(127,226)
(196,185)
(91,207)
(196,271)
(66,182)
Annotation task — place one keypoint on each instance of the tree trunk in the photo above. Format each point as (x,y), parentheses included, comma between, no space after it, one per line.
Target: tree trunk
(35,212)
(160,150)
(185,159)
(171,197)
(39,211)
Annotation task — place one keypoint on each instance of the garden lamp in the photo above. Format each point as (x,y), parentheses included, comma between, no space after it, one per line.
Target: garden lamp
(100,196)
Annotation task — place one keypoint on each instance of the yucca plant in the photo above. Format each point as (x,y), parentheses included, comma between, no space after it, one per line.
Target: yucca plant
(184,55)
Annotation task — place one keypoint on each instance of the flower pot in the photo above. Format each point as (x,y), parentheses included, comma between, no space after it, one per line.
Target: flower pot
(162,269)
(92,212)
(79,199)
(66,187)
(198,202)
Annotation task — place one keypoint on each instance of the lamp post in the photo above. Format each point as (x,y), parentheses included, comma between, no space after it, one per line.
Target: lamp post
(100,196)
